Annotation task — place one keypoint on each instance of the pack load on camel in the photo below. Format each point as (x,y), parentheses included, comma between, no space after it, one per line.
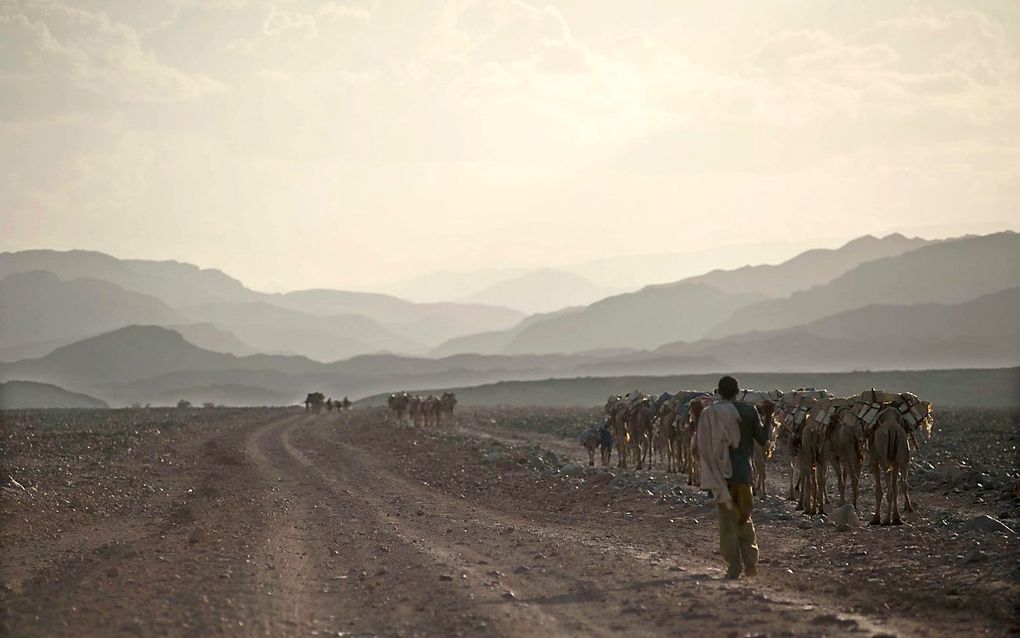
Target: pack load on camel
(314,401)
(914,412)
(793,407)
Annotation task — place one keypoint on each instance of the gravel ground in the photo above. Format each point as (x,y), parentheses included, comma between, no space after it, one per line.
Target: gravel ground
(276,522)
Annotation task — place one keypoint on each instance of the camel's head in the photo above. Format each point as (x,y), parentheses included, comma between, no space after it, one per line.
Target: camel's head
(697,406)
(926,423)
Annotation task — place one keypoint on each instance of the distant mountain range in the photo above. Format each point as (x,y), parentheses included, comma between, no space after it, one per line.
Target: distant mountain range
(982,333)
(51,298)
(37,306)
(808,269)
(684,310)
(891,303)
(948,272)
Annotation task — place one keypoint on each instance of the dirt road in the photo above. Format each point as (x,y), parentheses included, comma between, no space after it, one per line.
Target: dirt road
(272,523)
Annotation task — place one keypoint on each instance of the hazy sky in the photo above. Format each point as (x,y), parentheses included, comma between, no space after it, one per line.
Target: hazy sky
(344,143)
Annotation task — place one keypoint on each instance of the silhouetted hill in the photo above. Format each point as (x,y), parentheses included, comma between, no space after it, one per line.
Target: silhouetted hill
(37,307)
(273,329)
(810,268)
(137,352)
(496,341)
(541,291)
(405,326)
(23,395)
(643,319)
(425,324)
(175,283)
(949,272)
(209,337)
(979,333)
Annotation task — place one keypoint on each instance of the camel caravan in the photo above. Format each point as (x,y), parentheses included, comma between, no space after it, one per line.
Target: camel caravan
(315,401)
(815,431)
(422,411)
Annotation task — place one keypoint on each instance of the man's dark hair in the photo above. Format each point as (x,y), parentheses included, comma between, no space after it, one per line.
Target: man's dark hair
(728,387)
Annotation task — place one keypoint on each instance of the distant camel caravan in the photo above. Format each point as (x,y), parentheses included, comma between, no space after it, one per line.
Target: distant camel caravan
(315,401)
(815,430)
(421,411)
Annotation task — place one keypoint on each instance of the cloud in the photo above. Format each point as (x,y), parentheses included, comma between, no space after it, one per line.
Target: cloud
(61,59)
(290,25)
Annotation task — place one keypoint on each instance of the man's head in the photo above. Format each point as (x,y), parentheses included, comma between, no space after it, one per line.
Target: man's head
(728,387)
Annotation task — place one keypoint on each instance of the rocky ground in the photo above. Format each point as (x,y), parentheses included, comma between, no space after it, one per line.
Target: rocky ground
(276,522)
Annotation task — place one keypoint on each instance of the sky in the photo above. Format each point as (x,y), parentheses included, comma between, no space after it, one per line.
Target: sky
(353,143)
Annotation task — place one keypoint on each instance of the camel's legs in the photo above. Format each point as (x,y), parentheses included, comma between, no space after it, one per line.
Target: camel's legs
(792,496)
(820,481)
(840,471)
(893,497)
(877,518)
(855,478)
(907,505)
(801,505)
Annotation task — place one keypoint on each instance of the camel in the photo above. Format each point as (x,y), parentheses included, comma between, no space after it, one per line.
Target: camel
(606,443)
(890,457)
(809,457)
(691,440)
(789,442)
(793,410)
(314,401)
(430,410)
(760,457)
(669,430)
(616,415)
(447,403)
(345,404)
(415,409)
(399,404)
(845,438)
(590,439)
(639,424)
(889,422)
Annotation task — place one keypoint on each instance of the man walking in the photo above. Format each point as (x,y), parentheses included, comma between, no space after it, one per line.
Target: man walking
(727,432)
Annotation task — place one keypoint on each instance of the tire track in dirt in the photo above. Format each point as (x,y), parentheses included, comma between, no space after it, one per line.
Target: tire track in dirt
(471,569)
(371,579)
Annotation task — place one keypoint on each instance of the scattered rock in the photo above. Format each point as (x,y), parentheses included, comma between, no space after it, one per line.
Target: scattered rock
(986,523)
(975,556)
(845,517)
(571,469)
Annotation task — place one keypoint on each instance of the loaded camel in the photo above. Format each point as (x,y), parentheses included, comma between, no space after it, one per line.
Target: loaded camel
(615,410)
(889,446)
(314,401)
(762,455)
(639,425)
(399,404)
